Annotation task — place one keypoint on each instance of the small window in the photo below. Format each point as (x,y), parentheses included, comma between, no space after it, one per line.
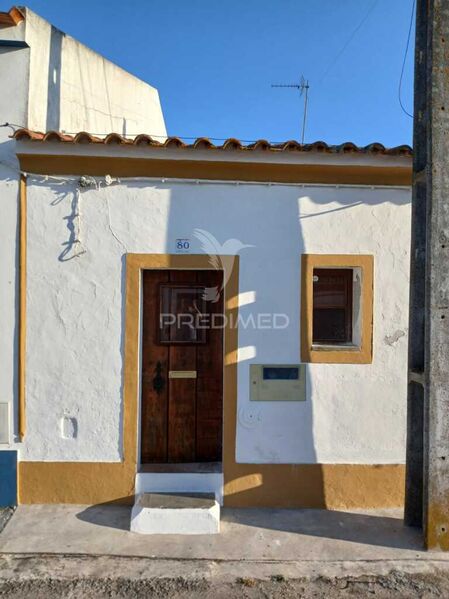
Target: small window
(337,308)
(332,305)
(182,315)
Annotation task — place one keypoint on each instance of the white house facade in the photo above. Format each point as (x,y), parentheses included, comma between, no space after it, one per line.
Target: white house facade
(295,397)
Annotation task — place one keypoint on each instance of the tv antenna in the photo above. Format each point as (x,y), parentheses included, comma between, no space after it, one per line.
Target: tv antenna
(303,87)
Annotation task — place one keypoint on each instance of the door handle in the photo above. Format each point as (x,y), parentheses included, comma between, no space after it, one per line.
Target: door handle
(158,380)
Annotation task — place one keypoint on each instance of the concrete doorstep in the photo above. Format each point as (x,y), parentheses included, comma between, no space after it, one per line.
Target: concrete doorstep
(82,551)
(175,513)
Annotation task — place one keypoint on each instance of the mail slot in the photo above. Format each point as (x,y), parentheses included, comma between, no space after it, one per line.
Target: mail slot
(182,374)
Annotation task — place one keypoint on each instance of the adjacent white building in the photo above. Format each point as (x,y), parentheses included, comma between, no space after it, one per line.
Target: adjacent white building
(49,80)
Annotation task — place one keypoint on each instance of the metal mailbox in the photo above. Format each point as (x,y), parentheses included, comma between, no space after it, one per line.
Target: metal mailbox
(277,382)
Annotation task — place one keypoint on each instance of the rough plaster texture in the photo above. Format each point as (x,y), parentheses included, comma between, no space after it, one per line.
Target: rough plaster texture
(353,413)
(436,393)
(55,83)
(73,88)
(14,69)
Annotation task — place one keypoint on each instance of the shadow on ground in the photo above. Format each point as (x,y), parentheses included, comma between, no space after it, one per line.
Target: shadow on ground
(369,529)
(110,514)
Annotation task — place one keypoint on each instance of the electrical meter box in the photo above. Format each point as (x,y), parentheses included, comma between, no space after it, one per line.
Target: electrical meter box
(277,382)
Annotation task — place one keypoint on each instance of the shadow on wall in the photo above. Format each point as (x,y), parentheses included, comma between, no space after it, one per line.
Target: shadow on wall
(271,221)
(73,246)
(68,192)
(256,472)
(248,214)
(53,120)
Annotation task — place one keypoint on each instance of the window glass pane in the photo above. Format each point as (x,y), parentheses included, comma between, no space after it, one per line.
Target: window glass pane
(332,305)
(280,373)
(329,326)
(182,314)
(330,288)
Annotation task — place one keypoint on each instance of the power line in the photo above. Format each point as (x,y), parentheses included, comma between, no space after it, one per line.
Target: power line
(163,137)
(404,61)
(349,40)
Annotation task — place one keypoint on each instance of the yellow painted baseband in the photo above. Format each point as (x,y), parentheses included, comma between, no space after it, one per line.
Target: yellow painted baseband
(332,486)
(75,482)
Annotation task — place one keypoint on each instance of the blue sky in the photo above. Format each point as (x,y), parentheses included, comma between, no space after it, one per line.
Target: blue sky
(214,61)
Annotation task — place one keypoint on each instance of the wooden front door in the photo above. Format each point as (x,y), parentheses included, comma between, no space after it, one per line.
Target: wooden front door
(182,366)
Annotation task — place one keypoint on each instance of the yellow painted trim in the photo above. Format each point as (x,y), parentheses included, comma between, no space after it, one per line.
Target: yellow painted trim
(335,486)
(331,486)
(75,482)
(54,164)
(22,302)
(135,263)
(364,355)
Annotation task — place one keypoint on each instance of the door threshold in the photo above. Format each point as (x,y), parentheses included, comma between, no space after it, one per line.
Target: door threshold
(186,468)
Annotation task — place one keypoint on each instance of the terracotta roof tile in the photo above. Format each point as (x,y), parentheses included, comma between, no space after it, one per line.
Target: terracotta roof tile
(260,144)
(11,18)
(143,140)
(204,143)
(171,142)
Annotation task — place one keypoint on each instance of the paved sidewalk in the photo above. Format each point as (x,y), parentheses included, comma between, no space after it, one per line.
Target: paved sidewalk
(246,534)
(81,551)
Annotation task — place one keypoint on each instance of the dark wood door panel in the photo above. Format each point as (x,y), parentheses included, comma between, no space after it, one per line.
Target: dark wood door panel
(209,408)
(182,392)
(154,411)
(183,421)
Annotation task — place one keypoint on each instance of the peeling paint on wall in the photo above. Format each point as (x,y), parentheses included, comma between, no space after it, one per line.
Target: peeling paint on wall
(394,338)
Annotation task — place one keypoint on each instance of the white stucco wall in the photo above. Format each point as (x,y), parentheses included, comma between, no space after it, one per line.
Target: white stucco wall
(56,83)
(14,70)
(353,413)
(75,89)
